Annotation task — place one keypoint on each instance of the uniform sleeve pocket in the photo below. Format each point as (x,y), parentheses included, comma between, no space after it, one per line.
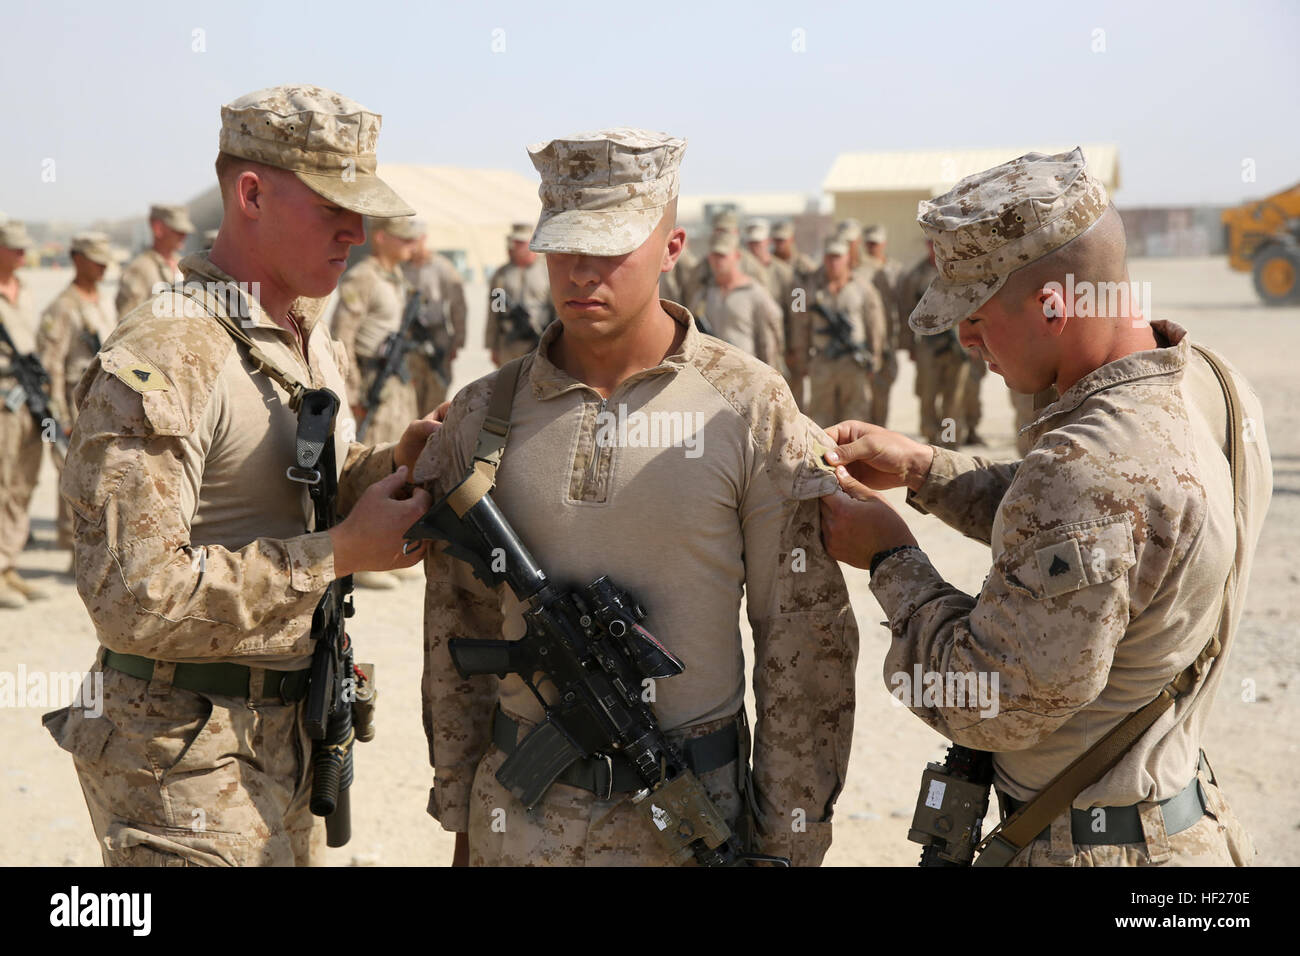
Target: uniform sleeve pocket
(1070,557)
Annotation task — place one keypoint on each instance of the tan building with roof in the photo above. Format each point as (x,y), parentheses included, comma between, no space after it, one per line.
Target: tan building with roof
(884,188)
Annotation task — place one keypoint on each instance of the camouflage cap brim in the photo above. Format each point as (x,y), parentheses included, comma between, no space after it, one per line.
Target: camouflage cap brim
(365,193)
(946,303)
(587,232)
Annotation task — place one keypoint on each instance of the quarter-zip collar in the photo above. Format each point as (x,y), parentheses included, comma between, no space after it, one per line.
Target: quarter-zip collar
(548,380)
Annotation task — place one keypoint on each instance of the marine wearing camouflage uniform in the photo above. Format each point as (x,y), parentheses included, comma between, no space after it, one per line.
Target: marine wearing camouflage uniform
(192,545)
(372,298)
(839,386)
(1103,588)
(511,285)
(585,508)
(150,270)
(65,343)
(444,295)
(941,366)
(20,437)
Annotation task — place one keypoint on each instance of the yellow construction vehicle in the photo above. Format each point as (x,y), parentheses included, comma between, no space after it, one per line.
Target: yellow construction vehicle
(1264,238)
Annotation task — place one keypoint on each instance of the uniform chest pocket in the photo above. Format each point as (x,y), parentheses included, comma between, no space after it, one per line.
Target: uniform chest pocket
(1070,557)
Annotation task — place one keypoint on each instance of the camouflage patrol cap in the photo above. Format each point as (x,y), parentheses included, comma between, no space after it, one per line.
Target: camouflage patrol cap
(836,246)
(603,193)
(520,232)
(727,219)
(13,235)
(405,227)
(873,234)
(173,217)
(94,246)
(848,230)
(783,230)
(757,231)
(992,223)
(724,241)
(326,140)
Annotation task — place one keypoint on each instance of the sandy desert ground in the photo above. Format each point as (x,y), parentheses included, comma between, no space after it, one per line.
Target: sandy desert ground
(1252,740)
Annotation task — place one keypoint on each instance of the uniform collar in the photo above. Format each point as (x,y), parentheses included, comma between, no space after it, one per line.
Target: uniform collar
(306,312)
(1164,360)
(548,380)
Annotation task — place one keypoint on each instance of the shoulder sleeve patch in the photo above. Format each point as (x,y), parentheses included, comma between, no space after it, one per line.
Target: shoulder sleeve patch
(1072,556)
(142,377)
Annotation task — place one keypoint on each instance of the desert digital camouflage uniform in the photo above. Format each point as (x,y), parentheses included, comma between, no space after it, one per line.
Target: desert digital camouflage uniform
(509,285)
(65,343)
(444,295)
(371,301)
(748,318)
(839,388)
(885,277)
(150,271)
(941,365)
(1103,588)
(193,546)
(587,507)
(20,438)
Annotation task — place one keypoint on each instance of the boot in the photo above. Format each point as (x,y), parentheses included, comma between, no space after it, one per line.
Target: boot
(10,599)
(32,592)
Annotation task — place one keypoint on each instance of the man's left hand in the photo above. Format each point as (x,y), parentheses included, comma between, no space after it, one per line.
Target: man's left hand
(854,531)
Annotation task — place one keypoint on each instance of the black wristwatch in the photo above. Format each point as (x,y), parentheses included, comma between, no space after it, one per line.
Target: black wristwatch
(881,555)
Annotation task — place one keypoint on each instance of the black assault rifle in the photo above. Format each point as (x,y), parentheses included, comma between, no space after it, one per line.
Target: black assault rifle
(411,336)
(840,330)
(32,391)
(589,643)
(341,694)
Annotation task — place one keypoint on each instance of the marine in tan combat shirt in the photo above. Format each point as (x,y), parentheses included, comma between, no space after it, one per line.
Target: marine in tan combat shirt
(1118,561)
(73,327)
(738,309)
(372,297)
(839,381)
(21,447)
(435,277)
(195,554)
(685,532)
(520,281)
(157,265)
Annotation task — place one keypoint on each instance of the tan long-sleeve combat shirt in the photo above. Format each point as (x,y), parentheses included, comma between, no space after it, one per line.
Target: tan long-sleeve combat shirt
(65,343)
(140,278)
(686,530)
(1111,544)
(191,542)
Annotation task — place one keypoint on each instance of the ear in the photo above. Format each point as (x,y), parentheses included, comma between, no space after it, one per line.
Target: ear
(673,249)
(1051,302)
(249,192)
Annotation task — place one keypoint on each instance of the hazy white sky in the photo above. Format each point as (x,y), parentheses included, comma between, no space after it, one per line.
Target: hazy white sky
(124,97)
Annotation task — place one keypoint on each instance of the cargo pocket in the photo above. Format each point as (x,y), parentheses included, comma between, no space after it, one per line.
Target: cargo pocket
(185,746)
(82,736)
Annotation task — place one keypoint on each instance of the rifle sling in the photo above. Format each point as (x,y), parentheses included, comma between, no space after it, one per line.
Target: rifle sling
(285,379)
(1025,824)
(491,442)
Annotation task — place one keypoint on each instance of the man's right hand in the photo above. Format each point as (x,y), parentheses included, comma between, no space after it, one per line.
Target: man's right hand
(370,537)
(869,456)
